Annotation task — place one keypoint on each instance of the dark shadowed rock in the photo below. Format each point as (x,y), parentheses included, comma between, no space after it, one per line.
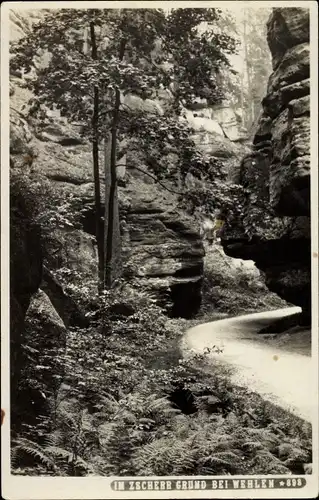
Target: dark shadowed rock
(120,310)
(25,278)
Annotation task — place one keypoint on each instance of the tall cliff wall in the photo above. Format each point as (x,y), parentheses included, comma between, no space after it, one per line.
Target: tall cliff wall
(274,228)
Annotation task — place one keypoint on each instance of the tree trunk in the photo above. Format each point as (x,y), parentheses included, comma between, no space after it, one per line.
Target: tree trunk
(247,110)
(248,71)
(111,206)
(96,175)
(110,215)
(107,198)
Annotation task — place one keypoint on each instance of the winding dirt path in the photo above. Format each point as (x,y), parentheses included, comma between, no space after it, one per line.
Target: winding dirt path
(277,366)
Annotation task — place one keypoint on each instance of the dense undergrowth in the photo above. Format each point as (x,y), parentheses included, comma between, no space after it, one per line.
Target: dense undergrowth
(127,403)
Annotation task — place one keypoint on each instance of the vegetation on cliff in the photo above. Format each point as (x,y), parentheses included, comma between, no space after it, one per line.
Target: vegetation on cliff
(97,57)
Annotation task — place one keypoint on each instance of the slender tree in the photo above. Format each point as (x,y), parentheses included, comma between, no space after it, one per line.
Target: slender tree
(95,153)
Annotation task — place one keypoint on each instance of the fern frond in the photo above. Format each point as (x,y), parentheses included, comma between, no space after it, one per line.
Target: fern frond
(14,457)
(162,406)
(163,457)
(68,419)
(58,452)
(55,438)
(83,463)
(221,463)
(35,450)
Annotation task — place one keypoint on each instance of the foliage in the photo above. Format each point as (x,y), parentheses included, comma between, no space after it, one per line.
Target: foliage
(67,444)
(152,38)
(51,209)
(140,52)
(156,58)
(115,413)
(218,196)
(86,78)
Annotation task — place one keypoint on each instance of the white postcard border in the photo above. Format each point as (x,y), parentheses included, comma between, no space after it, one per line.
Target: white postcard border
(25,488)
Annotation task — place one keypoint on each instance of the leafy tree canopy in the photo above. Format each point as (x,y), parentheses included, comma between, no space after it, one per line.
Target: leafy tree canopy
(181,51)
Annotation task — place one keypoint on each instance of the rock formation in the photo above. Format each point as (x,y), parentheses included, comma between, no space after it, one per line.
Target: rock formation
(163,252)
(25,279)
(28,386)
(274,228)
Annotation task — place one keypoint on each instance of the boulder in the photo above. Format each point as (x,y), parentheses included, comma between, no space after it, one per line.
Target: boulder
(44,344)
(45,327)
(22,151)
(68,310)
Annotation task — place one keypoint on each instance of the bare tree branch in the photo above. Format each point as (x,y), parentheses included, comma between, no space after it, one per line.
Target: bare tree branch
(152,177)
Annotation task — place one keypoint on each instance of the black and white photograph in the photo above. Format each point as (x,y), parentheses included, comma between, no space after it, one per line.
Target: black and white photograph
(159,249)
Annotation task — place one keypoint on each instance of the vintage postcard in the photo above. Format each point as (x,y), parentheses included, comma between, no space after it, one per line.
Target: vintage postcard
(159,250)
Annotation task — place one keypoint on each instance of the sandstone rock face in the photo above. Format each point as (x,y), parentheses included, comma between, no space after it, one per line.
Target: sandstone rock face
(21,146)
(163,252)
(21,21)
(288,105)
(60,133)
(286,28)
(216,129)
(274,229)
